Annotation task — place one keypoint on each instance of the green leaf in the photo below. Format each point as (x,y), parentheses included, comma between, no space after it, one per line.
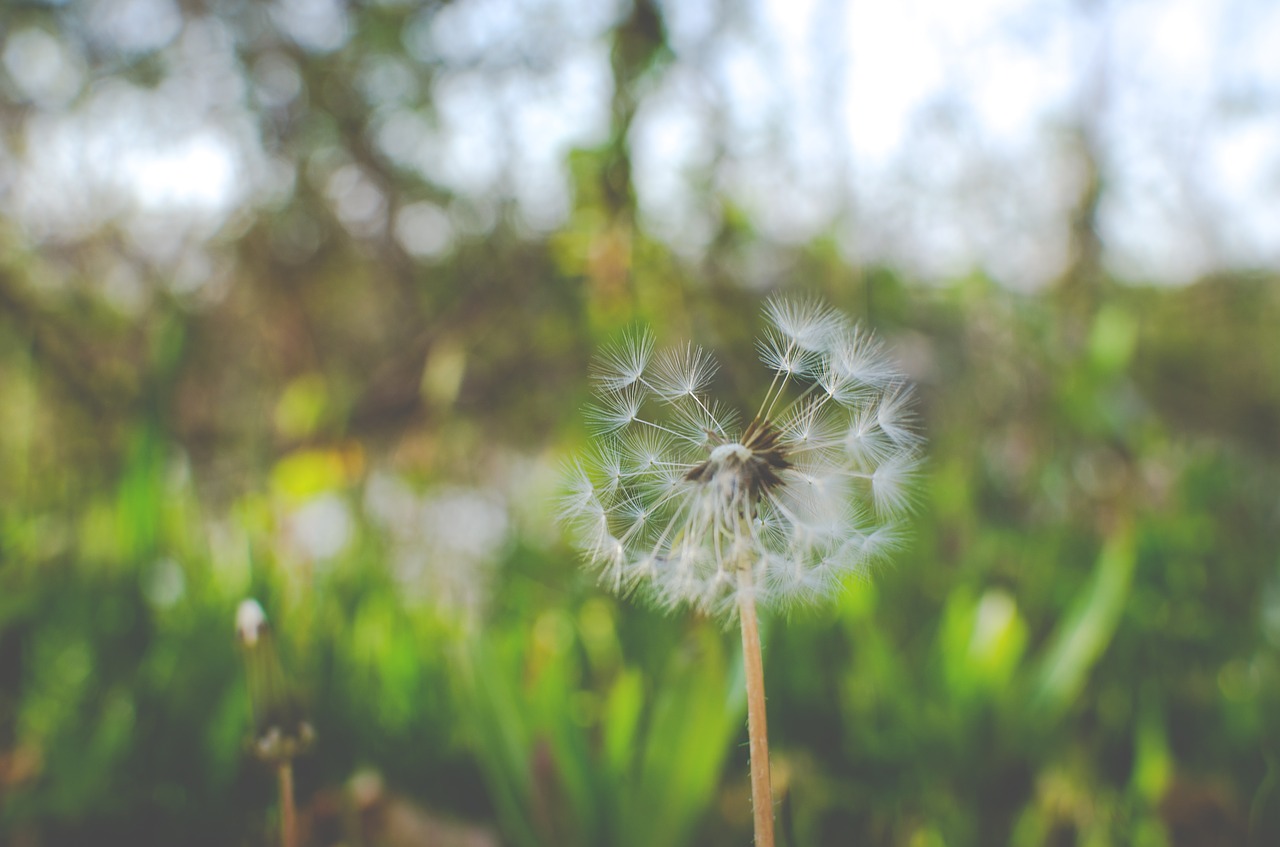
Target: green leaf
(1084,634)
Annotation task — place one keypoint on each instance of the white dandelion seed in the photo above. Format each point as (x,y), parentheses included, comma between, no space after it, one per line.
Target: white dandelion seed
(682,503)
(622,364)
(808,324)
(682,372)
(615,411)
(891,484)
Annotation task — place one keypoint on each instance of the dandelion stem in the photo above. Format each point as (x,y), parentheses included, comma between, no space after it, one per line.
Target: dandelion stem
(288,815)
(757,724)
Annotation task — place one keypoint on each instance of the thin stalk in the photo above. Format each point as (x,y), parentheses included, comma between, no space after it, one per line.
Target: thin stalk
(288,815)
(757,724)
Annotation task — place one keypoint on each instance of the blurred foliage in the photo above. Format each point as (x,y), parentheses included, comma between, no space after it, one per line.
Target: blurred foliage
(1079,646)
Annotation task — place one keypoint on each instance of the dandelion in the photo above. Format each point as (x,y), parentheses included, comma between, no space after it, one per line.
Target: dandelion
(281,731)
(683,504)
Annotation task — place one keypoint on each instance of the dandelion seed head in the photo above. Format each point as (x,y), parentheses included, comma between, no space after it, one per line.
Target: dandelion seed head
(251,621)
(682,503)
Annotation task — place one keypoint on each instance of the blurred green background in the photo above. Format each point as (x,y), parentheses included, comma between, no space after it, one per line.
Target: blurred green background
(297,302)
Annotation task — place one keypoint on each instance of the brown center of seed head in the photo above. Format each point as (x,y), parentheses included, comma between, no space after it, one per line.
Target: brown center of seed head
(751,464)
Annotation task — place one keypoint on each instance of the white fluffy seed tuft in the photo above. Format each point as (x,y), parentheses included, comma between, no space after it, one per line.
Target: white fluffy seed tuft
(622,365)
(683,504)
